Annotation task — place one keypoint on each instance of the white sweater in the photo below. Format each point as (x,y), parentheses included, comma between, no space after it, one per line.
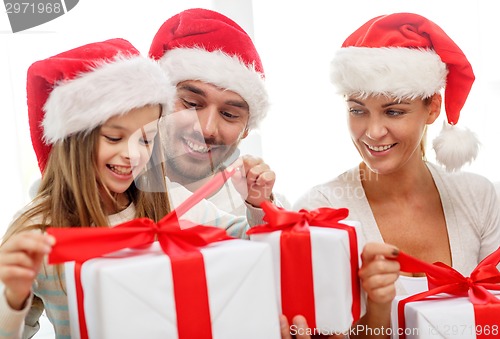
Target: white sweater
(469,202)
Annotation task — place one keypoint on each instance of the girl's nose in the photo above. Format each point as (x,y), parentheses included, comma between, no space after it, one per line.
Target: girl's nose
(132,154)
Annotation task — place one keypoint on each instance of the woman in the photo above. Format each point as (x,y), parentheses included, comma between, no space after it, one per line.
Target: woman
(391,72)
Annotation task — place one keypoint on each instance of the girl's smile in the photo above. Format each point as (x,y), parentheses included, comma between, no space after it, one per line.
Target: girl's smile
(125,146)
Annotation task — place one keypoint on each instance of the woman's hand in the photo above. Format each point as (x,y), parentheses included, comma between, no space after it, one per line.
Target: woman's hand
(379,272)
(21,257)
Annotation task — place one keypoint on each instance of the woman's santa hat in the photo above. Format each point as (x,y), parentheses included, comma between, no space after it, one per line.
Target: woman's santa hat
(78,90)
(407,56)
(200,44)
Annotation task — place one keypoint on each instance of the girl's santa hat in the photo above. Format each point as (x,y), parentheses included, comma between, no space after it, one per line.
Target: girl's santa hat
(78,90)
(407,56)
(200,44)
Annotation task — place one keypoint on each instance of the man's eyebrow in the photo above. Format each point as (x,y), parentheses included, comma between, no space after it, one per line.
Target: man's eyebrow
(193,89)
(238,103)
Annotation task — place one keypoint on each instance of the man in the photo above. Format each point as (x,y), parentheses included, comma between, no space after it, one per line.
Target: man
(221,98)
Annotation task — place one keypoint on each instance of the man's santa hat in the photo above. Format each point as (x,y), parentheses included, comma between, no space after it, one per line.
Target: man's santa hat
(407,56)
(200,44)
(78,90)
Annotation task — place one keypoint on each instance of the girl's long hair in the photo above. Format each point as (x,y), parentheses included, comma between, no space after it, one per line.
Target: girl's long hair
(68,194)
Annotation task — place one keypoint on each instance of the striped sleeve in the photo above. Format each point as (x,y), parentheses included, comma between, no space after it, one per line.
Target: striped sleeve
(12,321)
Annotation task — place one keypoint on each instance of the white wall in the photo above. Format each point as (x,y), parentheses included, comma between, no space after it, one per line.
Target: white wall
(304,137)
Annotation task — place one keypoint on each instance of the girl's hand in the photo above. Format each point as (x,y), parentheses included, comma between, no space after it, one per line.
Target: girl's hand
(21,257)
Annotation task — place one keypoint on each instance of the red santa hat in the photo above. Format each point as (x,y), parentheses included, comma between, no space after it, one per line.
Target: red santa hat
(200,44)
(78,90)
(407,56)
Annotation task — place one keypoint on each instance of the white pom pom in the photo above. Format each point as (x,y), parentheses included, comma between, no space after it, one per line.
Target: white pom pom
(455,147)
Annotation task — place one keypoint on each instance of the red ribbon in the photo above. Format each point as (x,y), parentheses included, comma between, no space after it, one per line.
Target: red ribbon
(444,279)
(181,245)
(296,259)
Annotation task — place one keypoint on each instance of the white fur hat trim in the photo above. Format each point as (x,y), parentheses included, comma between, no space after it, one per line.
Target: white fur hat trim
(109,89)
(391,71)
(221,70)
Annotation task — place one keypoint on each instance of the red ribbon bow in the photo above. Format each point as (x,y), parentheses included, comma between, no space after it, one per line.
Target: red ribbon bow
(278,219)
(444,279)
(295,256)
(82,244)
(181,245)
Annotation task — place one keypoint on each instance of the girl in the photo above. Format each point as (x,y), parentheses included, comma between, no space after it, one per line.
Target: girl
(391,71)
(94,114)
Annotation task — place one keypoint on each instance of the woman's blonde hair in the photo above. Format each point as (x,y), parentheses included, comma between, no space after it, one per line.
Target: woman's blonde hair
(423,143)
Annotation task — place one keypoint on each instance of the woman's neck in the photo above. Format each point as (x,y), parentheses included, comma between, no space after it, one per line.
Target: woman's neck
(409,180)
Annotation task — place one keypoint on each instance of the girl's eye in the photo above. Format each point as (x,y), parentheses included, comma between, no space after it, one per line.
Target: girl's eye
(112,139)
(146,142)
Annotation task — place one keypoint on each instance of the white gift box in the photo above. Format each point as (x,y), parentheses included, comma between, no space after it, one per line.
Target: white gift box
(331,263)
(130,294)
(441,316)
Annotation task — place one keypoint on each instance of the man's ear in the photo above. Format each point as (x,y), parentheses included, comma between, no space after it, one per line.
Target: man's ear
(245,134)
(434,108)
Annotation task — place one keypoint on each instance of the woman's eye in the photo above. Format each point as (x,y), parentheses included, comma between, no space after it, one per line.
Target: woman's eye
(394,113)
(355,111)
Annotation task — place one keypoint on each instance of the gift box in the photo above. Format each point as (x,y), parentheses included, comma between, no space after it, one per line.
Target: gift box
(130,294)
(147,279)
(316,261)
(444,316)
(454,306)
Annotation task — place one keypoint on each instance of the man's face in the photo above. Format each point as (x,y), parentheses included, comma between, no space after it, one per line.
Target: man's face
(205,129)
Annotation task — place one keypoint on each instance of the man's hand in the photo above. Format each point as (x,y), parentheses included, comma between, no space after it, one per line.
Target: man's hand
(254,181)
